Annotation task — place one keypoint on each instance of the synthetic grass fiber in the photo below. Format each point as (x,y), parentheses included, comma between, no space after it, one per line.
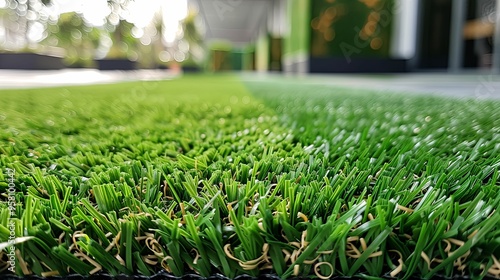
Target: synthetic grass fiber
(205,174)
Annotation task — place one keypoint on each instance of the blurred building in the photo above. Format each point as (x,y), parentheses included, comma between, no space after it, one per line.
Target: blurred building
(325,36)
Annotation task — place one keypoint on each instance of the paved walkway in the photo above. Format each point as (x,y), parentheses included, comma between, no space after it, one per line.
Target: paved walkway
(484,86)
(456,85)
(52,78)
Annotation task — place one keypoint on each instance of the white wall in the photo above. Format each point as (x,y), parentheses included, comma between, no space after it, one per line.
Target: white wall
(405,20)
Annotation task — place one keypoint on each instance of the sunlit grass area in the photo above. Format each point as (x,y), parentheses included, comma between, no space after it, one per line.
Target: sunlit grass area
(206,174)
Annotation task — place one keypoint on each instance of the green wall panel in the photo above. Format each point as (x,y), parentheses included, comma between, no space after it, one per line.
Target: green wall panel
(351,28)
(299,16)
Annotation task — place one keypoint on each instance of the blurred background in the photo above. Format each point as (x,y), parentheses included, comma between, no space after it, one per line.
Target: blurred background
(300,36)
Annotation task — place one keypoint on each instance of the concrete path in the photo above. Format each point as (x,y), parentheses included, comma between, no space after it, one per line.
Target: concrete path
(479,86)
(66,77)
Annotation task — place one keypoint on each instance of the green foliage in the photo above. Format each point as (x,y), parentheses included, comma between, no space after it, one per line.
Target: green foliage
(124,44)
(196,174)
(194,39)
(78,39)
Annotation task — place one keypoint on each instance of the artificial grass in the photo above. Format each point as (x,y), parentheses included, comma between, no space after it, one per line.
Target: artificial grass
(205,175)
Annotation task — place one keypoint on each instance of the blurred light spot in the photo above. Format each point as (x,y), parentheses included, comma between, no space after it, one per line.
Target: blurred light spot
(183,46)
(106,42)
(173,12)
(133,56)
(36,6)
(363,35)
(331,13)
(374,16)
(21,10)
(370,3)
(114,19)
(145,40)
(123,46)
(53,18)
(13,5)
(329,35)
(43,16)
(315,23)
(376,43)
(95,11)
(137,32)
(76,35)
(142,12)
(179,56)
(151,31)
(165,56)
(370,28)
(36,32)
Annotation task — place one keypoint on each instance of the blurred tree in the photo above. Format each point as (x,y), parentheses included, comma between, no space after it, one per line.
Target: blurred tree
(124,44)
(193,37)
(188,48)
(151,45)
(25,23)
(77,38)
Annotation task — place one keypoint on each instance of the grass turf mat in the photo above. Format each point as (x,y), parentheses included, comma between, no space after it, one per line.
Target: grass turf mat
(198,175)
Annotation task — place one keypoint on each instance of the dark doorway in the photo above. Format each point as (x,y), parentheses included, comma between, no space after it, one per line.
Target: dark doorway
(478,33)
(435,34)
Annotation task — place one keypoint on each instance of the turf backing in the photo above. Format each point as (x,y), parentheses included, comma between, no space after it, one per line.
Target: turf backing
(203,174)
